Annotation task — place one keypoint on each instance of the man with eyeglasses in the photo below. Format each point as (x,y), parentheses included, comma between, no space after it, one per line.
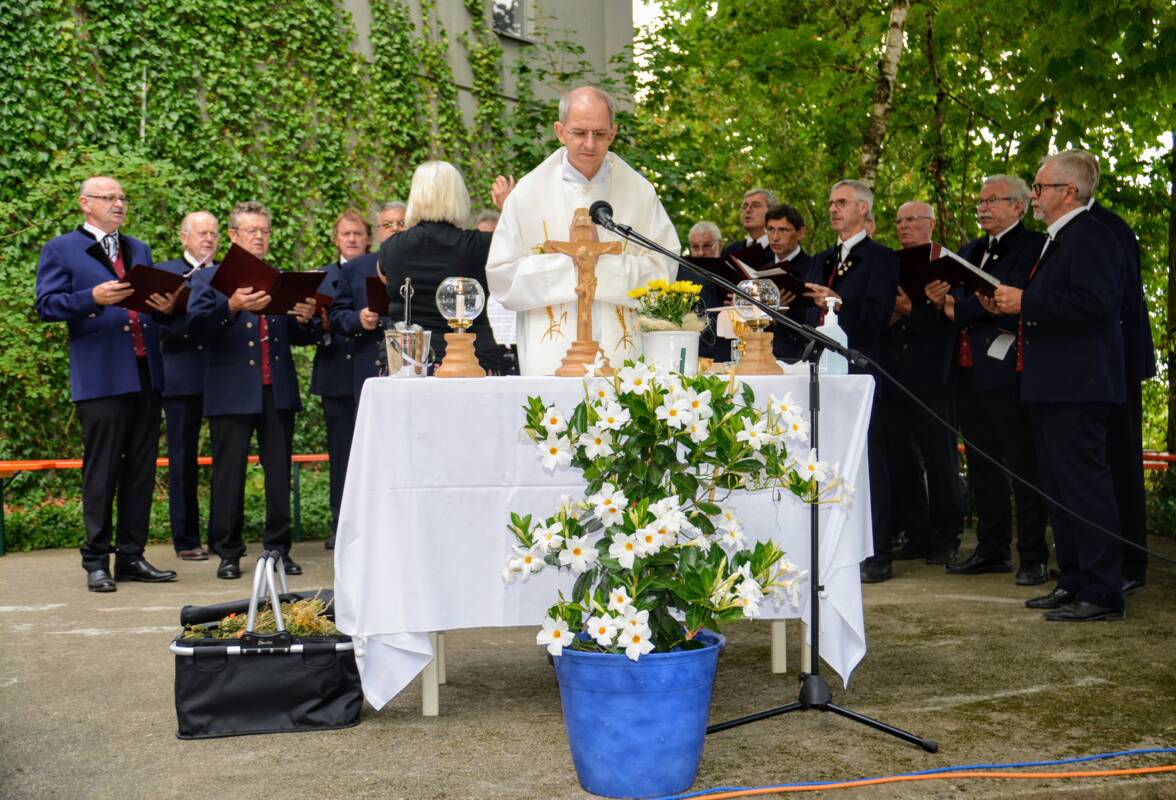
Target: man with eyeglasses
(1139,354)
(1070,357)
(390,220)
(916,349)
(250,384)
(861,275)
(752,214)
(987,391)
(541,287)
(116,374)
(183,389)
(333,376)
(784,226)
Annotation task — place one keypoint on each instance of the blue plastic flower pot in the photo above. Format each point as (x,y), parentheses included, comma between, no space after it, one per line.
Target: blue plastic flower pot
(636,728)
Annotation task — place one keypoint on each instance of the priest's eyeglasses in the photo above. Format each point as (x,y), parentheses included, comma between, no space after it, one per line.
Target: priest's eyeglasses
(581,135)
(988,201)
(109,198)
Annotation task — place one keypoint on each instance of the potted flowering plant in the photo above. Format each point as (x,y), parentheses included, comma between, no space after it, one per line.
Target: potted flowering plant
(660,556)
(666,315)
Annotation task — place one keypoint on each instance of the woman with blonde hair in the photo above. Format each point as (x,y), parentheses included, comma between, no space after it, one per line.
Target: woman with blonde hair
(433,247)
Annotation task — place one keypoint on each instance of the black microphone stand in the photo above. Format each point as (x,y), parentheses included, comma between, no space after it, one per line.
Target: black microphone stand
(814,690)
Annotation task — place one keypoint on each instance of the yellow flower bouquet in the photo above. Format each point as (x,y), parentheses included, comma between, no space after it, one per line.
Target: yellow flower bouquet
(666,306)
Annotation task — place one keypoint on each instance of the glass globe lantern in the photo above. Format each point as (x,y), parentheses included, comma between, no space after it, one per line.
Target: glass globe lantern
(460,301)
(763,290)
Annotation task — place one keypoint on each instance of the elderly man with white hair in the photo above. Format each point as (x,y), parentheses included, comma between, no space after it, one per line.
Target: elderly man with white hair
(541,287)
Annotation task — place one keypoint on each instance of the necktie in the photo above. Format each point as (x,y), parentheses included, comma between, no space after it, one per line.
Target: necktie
(110,243)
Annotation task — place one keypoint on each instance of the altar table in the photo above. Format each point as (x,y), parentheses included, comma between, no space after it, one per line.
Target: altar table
(436,467)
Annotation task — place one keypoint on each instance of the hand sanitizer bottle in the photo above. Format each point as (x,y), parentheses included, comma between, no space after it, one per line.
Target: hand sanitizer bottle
(832,363)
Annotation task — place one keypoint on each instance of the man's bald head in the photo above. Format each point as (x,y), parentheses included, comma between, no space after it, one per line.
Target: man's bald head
(200,235)
(914,222)
(586,127)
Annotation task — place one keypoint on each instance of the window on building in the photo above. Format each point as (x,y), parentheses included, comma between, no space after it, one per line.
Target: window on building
(510,17)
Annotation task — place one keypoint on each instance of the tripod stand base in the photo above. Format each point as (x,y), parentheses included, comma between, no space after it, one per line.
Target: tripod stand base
(814,694)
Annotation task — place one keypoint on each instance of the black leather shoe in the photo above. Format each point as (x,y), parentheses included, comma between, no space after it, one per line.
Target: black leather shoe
(99,580)
(872,572)
(1133,586)
(979,565)
(229,569)
(1056,599)
(329,544)
(1032,575)
(292,566)
(942,555)
(140,570)
(1082,611)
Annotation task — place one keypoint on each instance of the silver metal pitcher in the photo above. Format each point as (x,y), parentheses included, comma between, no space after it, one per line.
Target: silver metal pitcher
(409,353)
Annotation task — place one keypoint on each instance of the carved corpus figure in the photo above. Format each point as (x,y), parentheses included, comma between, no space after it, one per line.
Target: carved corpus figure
(584,250)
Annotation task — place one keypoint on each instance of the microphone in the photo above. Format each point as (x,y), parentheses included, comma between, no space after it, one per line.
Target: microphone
(601,213)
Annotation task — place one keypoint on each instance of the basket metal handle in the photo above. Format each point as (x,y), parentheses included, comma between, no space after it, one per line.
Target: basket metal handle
(263,580)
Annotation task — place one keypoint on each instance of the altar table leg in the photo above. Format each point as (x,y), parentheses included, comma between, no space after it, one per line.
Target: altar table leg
(440,650)
(430,692)
(779,647)
(806,653)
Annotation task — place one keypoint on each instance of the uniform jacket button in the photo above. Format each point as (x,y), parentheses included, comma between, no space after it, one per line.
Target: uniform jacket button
(252,363)
(248,324)
(251,343)
(126,328)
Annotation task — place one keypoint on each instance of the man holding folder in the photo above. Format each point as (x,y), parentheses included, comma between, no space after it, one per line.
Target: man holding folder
(249,385)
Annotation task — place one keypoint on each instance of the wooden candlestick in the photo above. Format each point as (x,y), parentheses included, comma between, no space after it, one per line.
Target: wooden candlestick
(460,359)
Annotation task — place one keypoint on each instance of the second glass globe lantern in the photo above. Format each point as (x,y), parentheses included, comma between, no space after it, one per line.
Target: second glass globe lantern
(460,301)
(756,342)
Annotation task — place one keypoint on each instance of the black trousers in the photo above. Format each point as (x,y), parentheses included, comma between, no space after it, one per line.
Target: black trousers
(120,442)
(1070,441)
(231,434)
(1126,454)
(924,470)
(183,414)
(339,413)
(876,457)
(994,421)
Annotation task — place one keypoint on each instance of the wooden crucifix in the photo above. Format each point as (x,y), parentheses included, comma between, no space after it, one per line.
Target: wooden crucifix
(584,252)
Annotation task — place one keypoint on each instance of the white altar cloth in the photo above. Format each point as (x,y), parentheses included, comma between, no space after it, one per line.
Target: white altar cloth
(436,467)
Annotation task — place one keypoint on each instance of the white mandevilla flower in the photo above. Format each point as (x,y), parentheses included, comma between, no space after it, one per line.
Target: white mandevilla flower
(578,553)
(728,520)
(698,430)
(649,540)
(601,390)
(699,404)
(554,421)
(512,571)
(674,412)
(733,538)
(783,407)
(554,453)
(613,416)
(796,428)
(597,442)
(549,537)
(751,608)
(625,549)
(637,641)
(619,601)
(754,433)
(811,468)
(634,619)
(608,504)
(599,364)
(530,561)
(568,507)
(636,378)
(555,635)
(602,628)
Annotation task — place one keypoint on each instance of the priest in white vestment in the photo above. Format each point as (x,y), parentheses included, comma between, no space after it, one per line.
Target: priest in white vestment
(541,287)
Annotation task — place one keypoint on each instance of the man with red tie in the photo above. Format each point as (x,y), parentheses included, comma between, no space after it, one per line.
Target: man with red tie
(250,384)
(116,374)
(1070,356)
